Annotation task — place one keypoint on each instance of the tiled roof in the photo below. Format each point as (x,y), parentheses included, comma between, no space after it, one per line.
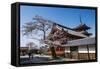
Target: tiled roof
(72,31)
(75,33)
(80,42)
(84,26)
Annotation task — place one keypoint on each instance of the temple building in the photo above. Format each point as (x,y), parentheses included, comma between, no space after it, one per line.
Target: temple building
(73,43)
(70,43)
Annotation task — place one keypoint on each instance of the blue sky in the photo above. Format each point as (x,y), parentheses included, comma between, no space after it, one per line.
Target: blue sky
(69,17)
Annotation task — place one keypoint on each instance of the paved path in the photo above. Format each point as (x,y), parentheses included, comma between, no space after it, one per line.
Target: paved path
(42,59)
(35,59)
(26,56)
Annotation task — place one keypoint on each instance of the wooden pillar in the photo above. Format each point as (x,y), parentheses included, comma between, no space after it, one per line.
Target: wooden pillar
(78,53)
(70,53)
(64,52)
(88,52)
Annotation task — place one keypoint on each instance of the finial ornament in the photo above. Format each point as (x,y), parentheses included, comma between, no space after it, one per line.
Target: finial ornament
(81,20)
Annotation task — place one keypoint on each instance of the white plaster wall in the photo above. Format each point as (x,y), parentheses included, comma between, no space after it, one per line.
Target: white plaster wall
(67,50)
(83,49)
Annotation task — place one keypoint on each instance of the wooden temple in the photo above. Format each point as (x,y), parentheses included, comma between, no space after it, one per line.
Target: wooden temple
(61,35)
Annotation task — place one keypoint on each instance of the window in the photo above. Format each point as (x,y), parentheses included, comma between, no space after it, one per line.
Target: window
(75,48)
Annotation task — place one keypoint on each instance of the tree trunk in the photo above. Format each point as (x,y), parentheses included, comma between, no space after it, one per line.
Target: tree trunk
(44,35)
(51,48)
(53,52)
(88,52)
